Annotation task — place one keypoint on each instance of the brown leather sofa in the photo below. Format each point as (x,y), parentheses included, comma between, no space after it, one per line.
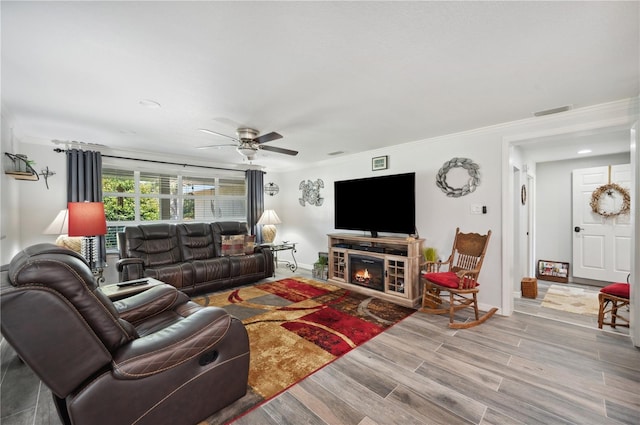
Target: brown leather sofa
(153,358)
(190,256)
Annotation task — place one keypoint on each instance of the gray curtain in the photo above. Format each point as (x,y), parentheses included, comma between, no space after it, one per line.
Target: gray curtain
(255,201)
(84,182)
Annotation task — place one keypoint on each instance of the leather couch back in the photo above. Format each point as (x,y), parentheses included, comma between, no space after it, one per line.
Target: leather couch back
(155,244)
(51,291)
(196,241)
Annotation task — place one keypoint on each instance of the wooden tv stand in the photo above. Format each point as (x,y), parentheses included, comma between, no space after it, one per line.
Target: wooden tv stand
(401,256)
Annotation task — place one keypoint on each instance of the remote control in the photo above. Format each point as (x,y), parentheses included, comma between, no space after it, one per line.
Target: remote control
(133,283)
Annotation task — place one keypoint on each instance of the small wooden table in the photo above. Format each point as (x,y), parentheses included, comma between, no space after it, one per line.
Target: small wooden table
(117,291)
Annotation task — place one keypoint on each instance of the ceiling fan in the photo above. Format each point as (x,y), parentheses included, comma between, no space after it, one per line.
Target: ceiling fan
(248,142)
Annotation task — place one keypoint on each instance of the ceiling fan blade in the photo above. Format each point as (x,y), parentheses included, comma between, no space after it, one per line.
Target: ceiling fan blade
(215,133)
(267,137)
(278,150)
(233,145)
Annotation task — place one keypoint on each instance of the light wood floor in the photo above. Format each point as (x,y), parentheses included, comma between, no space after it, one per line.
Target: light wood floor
(522,369)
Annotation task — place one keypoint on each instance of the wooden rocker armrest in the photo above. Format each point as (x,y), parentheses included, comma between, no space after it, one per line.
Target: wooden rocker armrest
(468,278)
(431,266)
(434,266)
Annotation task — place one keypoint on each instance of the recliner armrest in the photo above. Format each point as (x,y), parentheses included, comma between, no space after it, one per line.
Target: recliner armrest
(172,346)
(149,303)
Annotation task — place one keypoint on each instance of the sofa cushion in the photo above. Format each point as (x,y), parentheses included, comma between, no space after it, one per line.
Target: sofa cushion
(196,241)
(226,228)
(211,269)
(232,245)
(249,244)
(156,244)
(179,275)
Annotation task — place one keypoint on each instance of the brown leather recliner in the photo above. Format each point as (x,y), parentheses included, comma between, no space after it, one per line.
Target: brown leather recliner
(153,358)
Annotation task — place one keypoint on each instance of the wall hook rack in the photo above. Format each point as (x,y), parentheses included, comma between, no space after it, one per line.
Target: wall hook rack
(46,173)
(20,168)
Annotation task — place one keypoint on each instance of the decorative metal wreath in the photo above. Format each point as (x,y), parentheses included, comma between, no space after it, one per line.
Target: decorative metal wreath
(311,192)
(609,189)
(467,164)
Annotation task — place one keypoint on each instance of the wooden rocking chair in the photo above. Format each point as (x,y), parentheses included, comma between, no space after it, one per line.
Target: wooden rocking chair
(460,280)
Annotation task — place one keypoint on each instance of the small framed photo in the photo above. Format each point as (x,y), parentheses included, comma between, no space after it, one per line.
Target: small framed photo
(555,271)
(379,163)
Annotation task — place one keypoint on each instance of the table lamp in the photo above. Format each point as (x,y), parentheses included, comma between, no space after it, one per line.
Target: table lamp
(268,220)
(87,219)
(60,226)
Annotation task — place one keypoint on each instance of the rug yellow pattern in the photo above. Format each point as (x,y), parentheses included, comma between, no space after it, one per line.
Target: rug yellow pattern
(570,299)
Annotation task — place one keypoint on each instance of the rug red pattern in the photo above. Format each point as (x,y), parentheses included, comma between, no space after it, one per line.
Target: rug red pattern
(297,326)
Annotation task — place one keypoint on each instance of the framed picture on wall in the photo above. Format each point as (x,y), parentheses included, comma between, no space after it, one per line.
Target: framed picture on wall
(554,271)
(379,163)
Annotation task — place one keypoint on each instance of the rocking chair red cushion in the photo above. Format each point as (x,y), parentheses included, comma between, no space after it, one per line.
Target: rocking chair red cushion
(449,280)
(617,289)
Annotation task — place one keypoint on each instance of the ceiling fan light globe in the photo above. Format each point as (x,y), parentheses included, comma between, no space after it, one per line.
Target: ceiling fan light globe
(246,151)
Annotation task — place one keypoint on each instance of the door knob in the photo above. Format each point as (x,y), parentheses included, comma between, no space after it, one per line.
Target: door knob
(577,229)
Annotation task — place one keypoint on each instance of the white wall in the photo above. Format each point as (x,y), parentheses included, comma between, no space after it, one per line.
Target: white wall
(9,199)
(39,205)
(554,199)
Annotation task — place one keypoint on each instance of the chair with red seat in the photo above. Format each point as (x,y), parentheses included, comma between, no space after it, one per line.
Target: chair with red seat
(612,298)
(460,280)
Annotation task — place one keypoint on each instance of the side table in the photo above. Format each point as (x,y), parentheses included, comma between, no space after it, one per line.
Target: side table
(285,246)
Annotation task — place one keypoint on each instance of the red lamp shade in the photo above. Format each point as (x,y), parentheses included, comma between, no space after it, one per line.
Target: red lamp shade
(87,219)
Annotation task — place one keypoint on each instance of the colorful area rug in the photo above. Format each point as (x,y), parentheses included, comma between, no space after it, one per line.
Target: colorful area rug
(573,300)
(296,326)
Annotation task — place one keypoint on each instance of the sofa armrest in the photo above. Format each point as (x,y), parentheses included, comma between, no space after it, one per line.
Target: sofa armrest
(174,345)
(151,302)
(126,262)
(130,268)
(268,258)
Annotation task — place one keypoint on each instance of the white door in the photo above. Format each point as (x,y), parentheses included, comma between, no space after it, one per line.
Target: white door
(601,245)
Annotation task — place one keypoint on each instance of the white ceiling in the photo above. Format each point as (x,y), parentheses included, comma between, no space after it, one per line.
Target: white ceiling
(328,76)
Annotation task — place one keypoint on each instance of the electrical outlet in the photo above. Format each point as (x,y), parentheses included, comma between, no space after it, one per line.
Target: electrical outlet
(476,209)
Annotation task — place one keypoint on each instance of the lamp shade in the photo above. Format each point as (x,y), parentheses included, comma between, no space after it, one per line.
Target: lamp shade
(269,217)
(87,219)
(59,225)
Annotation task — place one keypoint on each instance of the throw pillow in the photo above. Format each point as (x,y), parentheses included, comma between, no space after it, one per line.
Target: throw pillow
(249,243)
(232,245)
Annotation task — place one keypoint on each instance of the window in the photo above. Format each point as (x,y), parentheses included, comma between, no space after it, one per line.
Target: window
(135,197)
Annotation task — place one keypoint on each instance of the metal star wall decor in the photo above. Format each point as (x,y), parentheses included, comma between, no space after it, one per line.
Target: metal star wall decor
(311,192)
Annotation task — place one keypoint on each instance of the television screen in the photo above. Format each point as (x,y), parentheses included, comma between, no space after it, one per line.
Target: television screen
(376,204)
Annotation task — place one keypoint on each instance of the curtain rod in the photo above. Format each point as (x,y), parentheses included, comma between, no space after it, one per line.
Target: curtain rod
(59,150)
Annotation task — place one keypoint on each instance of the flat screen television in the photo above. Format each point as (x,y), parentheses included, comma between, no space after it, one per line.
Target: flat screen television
(376,204)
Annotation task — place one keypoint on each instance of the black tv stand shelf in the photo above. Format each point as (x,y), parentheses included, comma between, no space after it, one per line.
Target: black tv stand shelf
(402,257)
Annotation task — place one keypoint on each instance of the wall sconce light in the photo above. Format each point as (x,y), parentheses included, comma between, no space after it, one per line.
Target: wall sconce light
(87,219)
(268,220)
(271,189)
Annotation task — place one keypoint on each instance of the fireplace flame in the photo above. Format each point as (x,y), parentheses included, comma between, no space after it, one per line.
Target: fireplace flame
(362,276)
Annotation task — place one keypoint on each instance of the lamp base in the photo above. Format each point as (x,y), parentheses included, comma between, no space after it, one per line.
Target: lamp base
(268,233)
(89,250)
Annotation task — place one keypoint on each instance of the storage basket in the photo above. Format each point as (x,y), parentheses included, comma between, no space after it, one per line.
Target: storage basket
(529,287)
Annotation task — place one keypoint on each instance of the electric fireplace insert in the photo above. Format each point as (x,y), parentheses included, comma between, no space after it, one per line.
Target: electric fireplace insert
(367,271)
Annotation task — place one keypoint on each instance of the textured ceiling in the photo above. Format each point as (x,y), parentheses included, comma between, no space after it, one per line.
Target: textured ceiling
(328,76)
